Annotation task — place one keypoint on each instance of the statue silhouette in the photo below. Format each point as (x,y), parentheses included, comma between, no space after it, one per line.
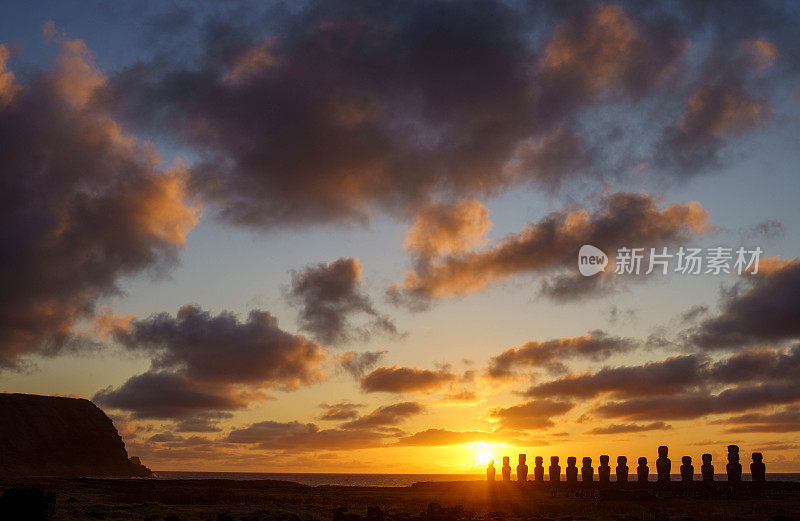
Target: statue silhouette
(554,470)
(758,471)
(604,471)
(622,469)
(490,471)
(734,468)
(663,465)
(587,472)
(571,471)
(707,469)
(506,469)
(538,470)
(642,471)
(687,470)
(522,468)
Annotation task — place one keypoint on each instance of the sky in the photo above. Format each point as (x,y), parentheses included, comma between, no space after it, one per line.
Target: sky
(344,236)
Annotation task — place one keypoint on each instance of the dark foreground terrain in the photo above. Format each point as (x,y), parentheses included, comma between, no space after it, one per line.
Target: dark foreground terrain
(191,500)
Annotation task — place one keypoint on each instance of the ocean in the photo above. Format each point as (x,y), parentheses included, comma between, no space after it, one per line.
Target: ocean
(383,480)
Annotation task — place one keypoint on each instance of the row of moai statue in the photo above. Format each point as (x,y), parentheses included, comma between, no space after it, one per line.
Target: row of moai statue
(663,469)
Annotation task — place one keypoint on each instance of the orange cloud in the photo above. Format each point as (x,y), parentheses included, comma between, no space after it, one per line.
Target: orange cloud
(550,354)
(442,229)
(399,379)
(761,52)
(447,438)
(606,50)
(531,415)
(8,83)
(253,61)
(717,110)
(627,428)
(108,323)
(552,244)
(75,76)
(89,204)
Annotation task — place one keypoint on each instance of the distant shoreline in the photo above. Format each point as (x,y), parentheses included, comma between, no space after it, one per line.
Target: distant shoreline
(385,479)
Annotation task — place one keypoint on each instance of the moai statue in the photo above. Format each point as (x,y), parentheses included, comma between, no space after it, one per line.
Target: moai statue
(538,470)
(734,468)
(490,471)
(571,471)
(622,469)
(522,468)
(663,464)
(687,469)
(506,469)
(554,470)
(707,469)
(604,471)
(587,472)
(758,471)
(642,471)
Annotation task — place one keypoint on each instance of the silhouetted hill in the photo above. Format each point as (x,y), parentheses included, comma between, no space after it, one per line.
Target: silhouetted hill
(55,436)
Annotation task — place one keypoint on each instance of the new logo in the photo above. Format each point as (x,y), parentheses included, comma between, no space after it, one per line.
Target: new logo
(591,260)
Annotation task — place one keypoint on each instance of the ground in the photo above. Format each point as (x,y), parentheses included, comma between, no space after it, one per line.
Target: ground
(193,500)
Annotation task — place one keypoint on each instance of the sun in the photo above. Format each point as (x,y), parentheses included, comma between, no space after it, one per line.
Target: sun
(484,457)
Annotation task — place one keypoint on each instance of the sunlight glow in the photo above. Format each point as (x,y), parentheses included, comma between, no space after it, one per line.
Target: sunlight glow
(483,458)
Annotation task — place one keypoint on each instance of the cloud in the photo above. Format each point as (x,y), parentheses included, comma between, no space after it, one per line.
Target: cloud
(761,52)
(8,82)
(713,111)
(442,229)
(663,377)
(626,428)
(604,51)
(676,374)
(329,295)
(402,106)
(89,204)
(393,109)
(448,438)
(388,415)
(552,159)
(203,422)
(357,364)
(531,415)
(762,313)
(463,396)
(339,411)
(694,312)
(272,435)
(401,379)
(206,362)
(617,315)
(787,420)
(552,244)
(166,395)
(767,229)
(699,404)
(550,354)
(685,386)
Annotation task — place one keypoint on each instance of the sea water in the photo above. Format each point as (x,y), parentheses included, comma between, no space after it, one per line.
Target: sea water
(387,480)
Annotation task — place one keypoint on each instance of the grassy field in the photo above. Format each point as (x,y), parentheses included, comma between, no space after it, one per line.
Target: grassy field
(191,500)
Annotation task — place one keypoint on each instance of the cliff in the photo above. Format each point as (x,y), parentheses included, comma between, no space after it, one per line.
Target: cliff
(54,436)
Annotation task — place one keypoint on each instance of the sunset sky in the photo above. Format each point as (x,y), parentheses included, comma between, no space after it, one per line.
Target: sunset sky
(342,236)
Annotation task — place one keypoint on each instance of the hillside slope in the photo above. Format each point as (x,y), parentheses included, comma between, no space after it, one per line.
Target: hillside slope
(55,436)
